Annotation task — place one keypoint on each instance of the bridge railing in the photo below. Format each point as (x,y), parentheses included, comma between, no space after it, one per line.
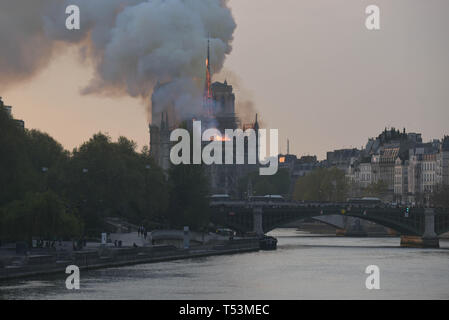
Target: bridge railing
(298,204)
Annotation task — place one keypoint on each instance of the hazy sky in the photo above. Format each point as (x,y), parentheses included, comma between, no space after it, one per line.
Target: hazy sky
(311,68)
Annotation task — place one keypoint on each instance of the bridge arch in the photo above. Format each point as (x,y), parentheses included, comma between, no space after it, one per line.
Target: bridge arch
(239,215)
(401,228)
(337,222)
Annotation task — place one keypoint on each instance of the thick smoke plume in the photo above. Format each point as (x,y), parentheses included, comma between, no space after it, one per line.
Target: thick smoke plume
(133,44)
(244,104)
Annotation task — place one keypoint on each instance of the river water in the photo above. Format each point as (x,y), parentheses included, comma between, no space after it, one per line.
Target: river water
(304,266)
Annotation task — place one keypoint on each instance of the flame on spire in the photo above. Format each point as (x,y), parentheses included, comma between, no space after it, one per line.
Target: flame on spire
(207,96)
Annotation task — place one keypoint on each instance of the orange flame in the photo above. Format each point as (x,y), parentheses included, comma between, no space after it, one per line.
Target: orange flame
(220,138)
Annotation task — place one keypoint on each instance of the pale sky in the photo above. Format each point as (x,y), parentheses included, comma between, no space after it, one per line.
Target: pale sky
(311,68)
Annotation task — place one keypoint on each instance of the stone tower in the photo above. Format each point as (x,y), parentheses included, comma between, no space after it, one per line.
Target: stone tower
(160,142)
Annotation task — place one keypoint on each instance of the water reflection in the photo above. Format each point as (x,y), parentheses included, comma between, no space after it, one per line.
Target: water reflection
(303,267)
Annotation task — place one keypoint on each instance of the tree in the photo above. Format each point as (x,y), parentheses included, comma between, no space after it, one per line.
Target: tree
(376,189)
(440,196)
(39,215)
(189,190)
(112,179)
(156,191)
(322,184)
(101,178)
(189,205)
(355,189)
(24,154)
(278,183)
(17,175)
(49,160)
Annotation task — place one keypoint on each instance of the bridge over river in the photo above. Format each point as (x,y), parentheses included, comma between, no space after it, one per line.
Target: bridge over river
(261,217)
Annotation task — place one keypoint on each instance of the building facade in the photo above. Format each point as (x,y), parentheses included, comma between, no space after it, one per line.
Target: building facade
(410,168)
(365,176)
(217,112)
(401,181)
(442,163)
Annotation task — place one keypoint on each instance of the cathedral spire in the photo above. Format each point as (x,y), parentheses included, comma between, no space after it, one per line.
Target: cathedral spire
(208,54)
(207,96)
(256,129)
(256,124)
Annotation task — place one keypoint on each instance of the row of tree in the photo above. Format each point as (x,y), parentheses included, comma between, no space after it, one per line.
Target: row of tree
(260,185)
(46,191)
(330,184)
(322,184)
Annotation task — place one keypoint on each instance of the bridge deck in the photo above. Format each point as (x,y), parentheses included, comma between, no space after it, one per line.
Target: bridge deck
(241,215)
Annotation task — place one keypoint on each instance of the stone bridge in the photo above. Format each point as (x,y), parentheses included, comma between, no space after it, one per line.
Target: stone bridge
(263,216)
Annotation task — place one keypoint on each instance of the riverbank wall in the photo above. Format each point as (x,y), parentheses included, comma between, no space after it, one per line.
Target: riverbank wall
(46,264)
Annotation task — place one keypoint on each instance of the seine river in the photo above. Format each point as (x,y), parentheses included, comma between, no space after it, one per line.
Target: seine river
(304,267)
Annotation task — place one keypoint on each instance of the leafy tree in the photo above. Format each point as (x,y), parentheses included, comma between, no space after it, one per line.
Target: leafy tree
(24,154)
(189,189)
(189,205)
(322,184)
(278,183)
(49,160)
(156,191)
(44,151)
(355,189)
(440,196)
(376,189)
(100,178)
(16,170)
(112,179)
(40,215)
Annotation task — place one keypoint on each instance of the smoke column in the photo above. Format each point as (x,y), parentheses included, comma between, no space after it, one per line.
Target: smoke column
(132,44)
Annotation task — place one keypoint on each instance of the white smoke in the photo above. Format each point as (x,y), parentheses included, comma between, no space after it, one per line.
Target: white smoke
(133,44)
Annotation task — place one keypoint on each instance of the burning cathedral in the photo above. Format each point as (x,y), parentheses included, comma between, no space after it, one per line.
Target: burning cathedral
(218,111)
